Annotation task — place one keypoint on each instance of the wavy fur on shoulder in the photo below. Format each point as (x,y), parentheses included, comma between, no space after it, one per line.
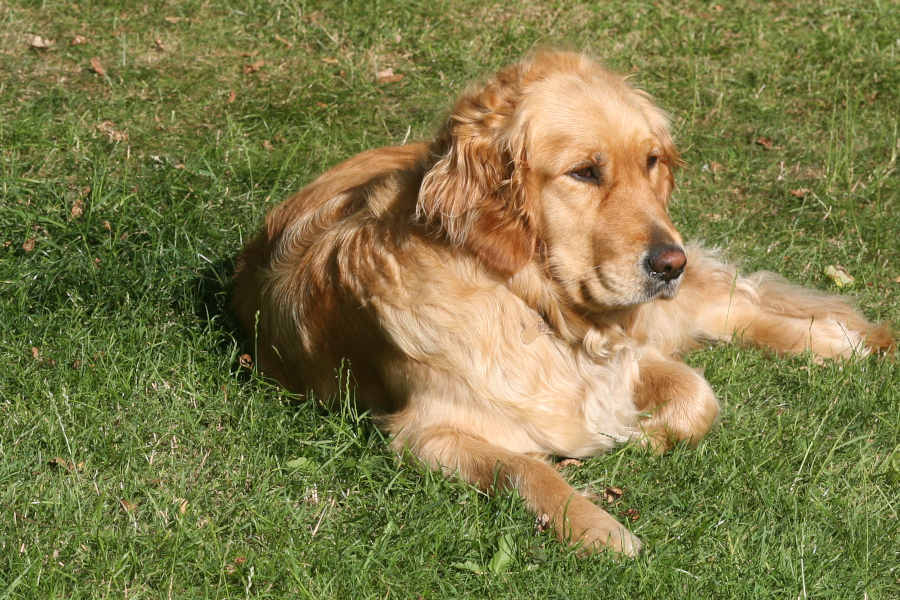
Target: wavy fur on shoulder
(515,289)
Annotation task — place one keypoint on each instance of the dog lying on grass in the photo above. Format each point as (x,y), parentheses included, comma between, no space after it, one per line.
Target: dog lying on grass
(515,289)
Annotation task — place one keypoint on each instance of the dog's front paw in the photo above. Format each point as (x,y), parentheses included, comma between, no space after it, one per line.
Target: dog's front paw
(591,529)
(675,402)
(616,539)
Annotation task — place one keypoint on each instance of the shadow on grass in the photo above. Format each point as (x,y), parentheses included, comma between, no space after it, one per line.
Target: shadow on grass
(211,294)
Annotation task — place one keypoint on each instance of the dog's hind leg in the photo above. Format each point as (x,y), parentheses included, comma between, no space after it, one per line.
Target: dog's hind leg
(832,327)
(715,303)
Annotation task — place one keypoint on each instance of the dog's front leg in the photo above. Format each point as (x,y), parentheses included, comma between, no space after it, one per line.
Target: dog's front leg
(678,403)
(491,468)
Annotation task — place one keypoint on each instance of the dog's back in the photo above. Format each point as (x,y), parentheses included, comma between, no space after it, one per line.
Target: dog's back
(317,237)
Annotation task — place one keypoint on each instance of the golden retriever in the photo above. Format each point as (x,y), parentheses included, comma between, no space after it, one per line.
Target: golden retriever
(515,290)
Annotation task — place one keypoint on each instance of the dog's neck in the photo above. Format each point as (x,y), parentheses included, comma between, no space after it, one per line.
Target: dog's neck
(601,334)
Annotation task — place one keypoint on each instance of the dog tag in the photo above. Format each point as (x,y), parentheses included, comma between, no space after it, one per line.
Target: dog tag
(534,328)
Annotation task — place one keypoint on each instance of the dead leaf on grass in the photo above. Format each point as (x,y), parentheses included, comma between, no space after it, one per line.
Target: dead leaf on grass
(159,46)
(35,353)
(77,208)
(128,506)
(268,145)
(612,494)
(839,275)
(330,61)
(254,67)
(230,568)
(631,514)
(232,96)
(284,41)
(182,504)
(388,76)
(712,167)
(180,19)
(28,246)
(765,143)
(78,40)
(64,463)
(799,192)
(114,135)
(97,68)
(41,43)
(568,462)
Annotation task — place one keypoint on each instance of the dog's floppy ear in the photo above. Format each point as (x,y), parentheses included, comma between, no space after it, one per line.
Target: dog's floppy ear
(669,160)
(476,192)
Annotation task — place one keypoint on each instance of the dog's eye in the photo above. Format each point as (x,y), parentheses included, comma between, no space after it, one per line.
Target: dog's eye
(587,173)
(651,161)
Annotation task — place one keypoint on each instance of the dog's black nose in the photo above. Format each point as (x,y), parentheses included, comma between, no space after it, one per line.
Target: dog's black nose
(666,262)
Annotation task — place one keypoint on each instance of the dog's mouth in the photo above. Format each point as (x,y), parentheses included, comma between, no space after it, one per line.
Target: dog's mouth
(662,289)
(601,294)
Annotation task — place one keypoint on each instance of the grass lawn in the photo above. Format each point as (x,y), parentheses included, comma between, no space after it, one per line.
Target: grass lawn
(141,143)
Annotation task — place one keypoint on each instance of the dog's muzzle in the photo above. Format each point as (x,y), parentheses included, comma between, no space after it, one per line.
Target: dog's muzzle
(664,265)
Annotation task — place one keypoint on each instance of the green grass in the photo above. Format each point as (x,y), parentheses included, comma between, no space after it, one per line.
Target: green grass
(137,458)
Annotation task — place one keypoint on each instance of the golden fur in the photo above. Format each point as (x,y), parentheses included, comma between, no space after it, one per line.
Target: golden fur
(515,289)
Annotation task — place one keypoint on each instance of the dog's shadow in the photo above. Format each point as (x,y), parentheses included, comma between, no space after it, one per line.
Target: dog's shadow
(210,295)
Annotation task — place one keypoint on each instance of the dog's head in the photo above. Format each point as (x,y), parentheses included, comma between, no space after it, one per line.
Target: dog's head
(558,156)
